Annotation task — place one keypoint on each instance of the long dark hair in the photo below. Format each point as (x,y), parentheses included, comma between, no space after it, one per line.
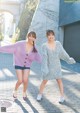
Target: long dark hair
(33,34)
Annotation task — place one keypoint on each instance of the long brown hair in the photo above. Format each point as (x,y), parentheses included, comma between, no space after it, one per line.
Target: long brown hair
(33,34)
(48,32)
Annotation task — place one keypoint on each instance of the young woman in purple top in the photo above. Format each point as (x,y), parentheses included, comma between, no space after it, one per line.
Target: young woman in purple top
(24,53)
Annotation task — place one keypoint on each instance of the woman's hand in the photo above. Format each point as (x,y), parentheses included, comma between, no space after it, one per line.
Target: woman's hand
(72,61)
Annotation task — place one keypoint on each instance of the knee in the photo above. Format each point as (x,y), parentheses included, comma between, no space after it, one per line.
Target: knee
(25,81)
(44,82)
(20,81)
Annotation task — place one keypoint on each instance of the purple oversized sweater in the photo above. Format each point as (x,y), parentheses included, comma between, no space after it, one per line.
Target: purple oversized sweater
(21,58)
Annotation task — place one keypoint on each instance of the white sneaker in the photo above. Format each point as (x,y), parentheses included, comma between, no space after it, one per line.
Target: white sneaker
(14,94)
(39,97)
(61,100)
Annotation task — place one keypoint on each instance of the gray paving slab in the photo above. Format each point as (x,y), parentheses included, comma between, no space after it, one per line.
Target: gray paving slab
(49,103)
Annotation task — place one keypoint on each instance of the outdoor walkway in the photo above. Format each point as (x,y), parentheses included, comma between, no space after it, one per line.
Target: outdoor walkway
(49,104)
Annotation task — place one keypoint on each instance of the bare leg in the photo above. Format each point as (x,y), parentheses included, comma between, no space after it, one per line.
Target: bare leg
(42,86)
(26,73)
(19,82)
(19,76)
(60,84)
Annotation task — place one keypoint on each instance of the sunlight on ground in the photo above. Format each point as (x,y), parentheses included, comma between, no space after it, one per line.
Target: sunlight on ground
(7,72)
(32,73)
(1,74)
(64,70)
(73,78)
(4,73)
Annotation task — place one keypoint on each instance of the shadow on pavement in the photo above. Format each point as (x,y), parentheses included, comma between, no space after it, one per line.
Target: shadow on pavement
(22,107)
(71,67)
(69,105)
(45,103)
(32,107)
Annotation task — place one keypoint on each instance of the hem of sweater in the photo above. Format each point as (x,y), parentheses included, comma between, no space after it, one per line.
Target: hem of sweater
(52,78)
(22,65)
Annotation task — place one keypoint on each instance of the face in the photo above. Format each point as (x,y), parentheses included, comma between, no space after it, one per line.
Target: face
(31,38)
(51,37)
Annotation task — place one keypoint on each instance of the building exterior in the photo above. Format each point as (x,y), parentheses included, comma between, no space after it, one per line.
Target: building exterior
(14,8)
(64,19)
(45,17)
(69,23)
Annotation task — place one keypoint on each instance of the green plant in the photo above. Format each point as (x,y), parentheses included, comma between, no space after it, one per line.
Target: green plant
(1,37)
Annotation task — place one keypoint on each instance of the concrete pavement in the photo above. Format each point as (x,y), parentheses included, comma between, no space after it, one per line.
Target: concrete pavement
(49,103)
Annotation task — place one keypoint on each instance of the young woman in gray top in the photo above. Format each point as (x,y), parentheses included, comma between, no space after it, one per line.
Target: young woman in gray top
(52,52)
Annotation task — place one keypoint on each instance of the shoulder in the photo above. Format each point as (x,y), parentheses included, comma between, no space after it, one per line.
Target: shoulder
(58,43)
(21,42)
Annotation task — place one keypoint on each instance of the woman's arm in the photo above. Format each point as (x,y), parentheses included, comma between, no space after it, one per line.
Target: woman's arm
(44,66)
(64,55)
(9,48)
(38,57)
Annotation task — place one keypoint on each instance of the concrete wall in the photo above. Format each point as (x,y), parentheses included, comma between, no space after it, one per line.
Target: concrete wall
(69,12)
(46,17)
